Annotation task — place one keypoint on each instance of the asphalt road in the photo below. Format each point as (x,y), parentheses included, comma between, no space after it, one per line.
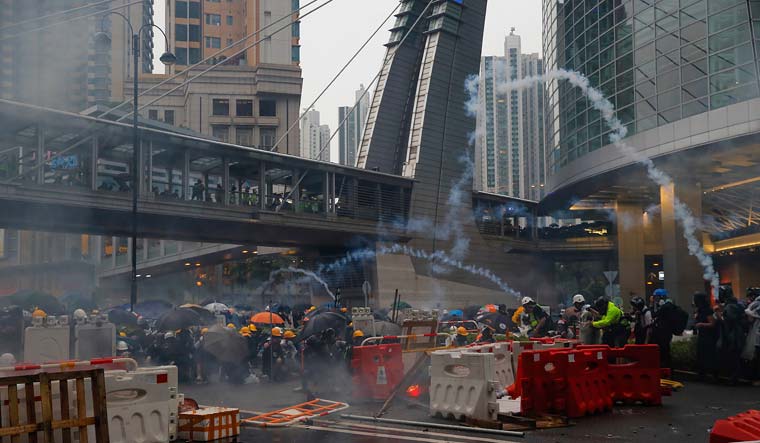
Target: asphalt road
(685,417)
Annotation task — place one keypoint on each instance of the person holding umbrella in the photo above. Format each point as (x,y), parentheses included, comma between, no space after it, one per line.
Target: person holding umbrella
(272,356)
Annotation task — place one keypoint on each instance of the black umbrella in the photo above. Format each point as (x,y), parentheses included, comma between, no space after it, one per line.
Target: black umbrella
(122,317)
(178,319)
(497,321)
(471,312)
(381,315)
(207,317)
(225,344)
(74,301)
(29,300)
(323,321)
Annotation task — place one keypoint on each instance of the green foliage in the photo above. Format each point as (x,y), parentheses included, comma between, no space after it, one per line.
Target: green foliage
(684,354)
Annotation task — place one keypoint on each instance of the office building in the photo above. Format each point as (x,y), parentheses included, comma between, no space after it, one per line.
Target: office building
(355,117)
(509,147)
(314,137)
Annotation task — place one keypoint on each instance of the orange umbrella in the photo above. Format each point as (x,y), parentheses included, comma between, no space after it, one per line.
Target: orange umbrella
(265,318)
(490,308)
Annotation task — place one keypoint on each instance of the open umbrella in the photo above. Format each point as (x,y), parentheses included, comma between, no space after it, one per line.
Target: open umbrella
(497,321)
(207,317)
(470,312)
(74,301)
(386,328)
(265,318)
(402,305)
(153,309)
(122,317)
(225,344)
(324,321)
(178,319)
(29,300)
(217,308)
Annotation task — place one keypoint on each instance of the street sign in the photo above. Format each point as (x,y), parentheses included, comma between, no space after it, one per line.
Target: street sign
(611,275)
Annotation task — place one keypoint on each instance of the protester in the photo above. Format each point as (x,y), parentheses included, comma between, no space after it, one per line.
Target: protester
(751,351)
(486,335)
(705,327)
(534,319)
(462,338)
(272,356)
(662,329)
(614,332)
(642,320)
(730,316)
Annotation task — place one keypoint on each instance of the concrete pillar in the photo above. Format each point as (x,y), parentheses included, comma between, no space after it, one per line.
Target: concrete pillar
(683,274)
(630,249)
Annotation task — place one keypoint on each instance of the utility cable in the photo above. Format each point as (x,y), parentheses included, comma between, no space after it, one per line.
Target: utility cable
(45,17)
(335,78)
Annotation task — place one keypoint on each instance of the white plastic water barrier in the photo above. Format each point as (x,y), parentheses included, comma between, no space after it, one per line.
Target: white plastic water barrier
(503,371)
(46,343)
(94,341)
(462,384)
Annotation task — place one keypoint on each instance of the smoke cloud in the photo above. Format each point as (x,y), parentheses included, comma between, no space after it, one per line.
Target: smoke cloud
(682,213)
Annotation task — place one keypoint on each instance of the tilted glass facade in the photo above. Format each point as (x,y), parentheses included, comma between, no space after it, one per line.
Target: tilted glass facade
(657,61)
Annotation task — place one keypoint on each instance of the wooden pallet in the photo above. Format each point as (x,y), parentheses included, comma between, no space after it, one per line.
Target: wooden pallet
(47,424)
(509,422)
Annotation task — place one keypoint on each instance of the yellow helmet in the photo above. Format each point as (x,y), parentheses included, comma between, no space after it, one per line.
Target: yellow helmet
(122,334)
(245,330)
(313,308)
(38,313)
(344,310)
(252,328)
(358,333)
(204,331)
(276,332)
(462,331)
(231,325)
(289,335)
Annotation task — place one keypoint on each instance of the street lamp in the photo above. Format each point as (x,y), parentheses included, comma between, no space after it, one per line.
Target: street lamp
(167,58)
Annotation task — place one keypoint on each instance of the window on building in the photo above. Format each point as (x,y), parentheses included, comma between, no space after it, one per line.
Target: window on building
(213,42)
(153,114)
(229,42)
(267,138)
(181,10)
(213,20)
(195,10)
(244,108)
(295,54)
(221,106)
(181,54)
(267,108)
(181,32)
(169,116)
(195,55)
(296,29)
(244,135)
(195,33)
(296,4)
(229,20)
(222,132)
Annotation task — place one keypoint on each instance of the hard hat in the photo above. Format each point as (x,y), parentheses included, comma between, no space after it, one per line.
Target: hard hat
(343,309)
(168,335)
(231,325)
(579,298)
(638,302)
(527,300)
(358,333)
(38,313)
(79,314)
(252,328)
(276,332)
(660,292)
(245,330)
(313,308)
(462,331)
(122,334)
(122,346)
(204,331)
(289,334)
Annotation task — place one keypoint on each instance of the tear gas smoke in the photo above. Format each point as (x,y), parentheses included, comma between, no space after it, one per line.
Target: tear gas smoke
(274,274)
(682,213)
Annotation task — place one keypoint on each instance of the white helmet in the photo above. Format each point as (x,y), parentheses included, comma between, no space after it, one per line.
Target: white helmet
(80,315)
(579,298)
(169,335)
(122,346)
(7,359)
(527,300)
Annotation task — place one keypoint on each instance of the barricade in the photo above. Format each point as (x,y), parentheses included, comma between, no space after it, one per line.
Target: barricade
(588,385)
(634,373)
(542,383)
(462,385)
(502,362)
(96,340)
(741,427)
(46,343)
(377,370)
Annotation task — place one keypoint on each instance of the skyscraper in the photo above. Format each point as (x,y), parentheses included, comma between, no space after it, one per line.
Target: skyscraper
(353,128)
(509,148)
(314,137)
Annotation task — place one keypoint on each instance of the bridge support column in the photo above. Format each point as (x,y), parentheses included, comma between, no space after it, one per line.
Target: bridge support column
(296,194)
(94,164)
(327,195)
(263,192)
(226,181)
(185,175)
(683,273)
(630,249)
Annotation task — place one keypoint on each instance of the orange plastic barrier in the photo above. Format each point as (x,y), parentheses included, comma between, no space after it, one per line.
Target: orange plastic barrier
(543,384)
(588,385)
(740,427)
(377,370)
(634,373)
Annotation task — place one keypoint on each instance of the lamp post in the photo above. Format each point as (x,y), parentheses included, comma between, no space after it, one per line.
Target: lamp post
(167,58)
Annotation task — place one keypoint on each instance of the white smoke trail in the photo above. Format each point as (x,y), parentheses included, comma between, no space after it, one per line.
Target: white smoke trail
(304,272)
(682,212)
(439,257)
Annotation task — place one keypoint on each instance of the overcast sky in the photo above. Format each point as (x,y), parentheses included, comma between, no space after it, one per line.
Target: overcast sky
(330,36)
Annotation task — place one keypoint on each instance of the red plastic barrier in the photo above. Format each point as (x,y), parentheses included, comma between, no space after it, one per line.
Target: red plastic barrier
(740,427)
(543,383)
(377,370)
(588,385)
(634,373)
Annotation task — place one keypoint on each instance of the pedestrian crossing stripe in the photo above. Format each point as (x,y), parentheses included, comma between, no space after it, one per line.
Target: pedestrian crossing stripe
(382,378)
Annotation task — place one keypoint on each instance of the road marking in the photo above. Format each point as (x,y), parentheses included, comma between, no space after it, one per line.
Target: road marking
(416,431)
(374,434)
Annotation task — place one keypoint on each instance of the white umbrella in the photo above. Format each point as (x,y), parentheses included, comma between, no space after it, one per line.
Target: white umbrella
(217,308)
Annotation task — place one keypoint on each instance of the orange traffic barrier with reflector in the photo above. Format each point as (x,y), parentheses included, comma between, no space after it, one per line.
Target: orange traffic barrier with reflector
(542,383)
(377,370)
(588,385)
(740,427)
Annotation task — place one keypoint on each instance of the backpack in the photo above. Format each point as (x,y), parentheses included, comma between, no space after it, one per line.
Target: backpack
(679,320)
